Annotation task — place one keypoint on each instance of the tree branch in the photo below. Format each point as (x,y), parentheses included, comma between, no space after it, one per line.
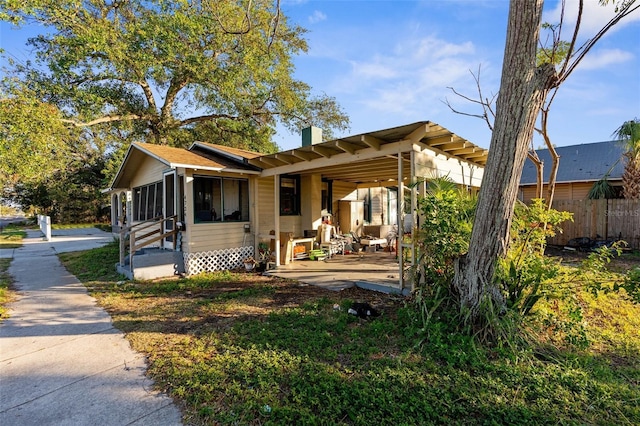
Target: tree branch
(488,115)
(209,117)
(105,119)
(625,10)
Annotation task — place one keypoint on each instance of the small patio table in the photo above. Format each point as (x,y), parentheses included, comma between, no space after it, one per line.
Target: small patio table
(373,242)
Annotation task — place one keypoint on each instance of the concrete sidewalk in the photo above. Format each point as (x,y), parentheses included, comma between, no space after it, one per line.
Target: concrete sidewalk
(61,360)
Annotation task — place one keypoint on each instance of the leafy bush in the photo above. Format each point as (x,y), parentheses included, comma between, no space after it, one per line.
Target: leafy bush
(447,218)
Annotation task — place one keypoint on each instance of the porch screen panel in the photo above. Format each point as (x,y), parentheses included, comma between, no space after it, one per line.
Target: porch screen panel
(220,199)
(236,199)
(147,201)
(157,205)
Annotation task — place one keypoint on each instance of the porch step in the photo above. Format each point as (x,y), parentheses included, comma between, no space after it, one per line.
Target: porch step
(152,263)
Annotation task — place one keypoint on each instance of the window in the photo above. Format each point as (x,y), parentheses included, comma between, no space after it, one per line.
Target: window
(326,196)
(220,199)
(289,195)
(147,201)
(367,206)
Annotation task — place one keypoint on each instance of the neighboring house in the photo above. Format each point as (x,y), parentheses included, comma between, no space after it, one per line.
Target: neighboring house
(579,168)
(230,200)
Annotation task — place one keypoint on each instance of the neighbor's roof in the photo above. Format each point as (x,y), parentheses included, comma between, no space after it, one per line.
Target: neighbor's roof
(579,163)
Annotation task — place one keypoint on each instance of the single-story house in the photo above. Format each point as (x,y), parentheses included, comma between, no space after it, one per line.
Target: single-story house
(220,204)
(579,168)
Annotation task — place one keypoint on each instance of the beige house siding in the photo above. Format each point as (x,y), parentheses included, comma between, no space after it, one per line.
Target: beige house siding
(266,207)
(580,190)
(429,164)
(217,236)
(311,202)
(149,171)
(265,201)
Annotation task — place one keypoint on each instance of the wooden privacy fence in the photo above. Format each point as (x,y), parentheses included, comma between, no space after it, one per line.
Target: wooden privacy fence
(600,219)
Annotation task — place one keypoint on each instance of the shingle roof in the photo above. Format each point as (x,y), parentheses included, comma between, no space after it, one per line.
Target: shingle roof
(177,156)
(579,163)
(233,151)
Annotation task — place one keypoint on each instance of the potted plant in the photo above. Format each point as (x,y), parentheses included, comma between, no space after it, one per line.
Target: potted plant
(249,263)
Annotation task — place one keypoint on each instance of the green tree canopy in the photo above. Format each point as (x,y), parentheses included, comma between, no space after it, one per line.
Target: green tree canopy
(629,134)
(172,68)
(33,139)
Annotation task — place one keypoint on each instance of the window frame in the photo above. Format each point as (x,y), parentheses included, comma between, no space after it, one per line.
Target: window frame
(292,198)
(218,192)
(327,195)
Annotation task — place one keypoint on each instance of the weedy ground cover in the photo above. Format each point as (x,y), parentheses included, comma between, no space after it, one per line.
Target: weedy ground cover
(10,238)
(6,293)
(241,348)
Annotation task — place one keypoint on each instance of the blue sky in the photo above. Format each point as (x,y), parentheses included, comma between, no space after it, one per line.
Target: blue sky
(390,63)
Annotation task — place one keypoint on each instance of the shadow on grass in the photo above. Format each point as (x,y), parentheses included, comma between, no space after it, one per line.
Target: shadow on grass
(247,349)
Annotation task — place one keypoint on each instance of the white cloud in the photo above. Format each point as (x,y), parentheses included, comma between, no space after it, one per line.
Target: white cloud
(413,77)
(317,16)
(594,17)
(372,71)
(599,59)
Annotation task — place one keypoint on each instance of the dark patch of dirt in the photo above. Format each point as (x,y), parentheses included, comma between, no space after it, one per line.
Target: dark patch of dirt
(626,261)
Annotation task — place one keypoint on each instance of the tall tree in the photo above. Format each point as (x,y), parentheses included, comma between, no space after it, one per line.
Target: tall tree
(629,134)
(523,89)
(33,139)
(525,85)
(166,66)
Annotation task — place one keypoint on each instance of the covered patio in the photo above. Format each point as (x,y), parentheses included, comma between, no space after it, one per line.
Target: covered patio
(377,271)
(403,158)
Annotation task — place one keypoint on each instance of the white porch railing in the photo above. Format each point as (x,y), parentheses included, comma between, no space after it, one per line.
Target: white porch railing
(45,226)
(145,233)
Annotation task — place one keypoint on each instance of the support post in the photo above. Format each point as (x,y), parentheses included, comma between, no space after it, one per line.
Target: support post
(400,213)
(276,215)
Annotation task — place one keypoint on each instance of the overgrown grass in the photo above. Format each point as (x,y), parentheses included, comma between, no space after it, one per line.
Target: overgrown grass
(103,226)
(236,348)
(6,294)
(94,265)
(11,237)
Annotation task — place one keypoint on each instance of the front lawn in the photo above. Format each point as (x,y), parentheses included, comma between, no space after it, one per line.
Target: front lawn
(240,348)
(10,238)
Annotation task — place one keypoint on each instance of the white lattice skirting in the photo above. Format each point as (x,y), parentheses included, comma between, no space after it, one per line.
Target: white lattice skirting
(216,260)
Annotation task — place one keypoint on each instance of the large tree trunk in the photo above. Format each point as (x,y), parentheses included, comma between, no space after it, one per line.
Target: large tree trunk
(523,89)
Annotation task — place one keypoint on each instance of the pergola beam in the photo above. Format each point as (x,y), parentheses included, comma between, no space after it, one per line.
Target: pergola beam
(346,147)
(371,141)
(322,151)
(439,140)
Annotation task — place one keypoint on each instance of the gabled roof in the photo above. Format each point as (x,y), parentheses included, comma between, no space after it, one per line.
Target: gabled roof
(364,158)
(236,153)
(579,163)
(173,158)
